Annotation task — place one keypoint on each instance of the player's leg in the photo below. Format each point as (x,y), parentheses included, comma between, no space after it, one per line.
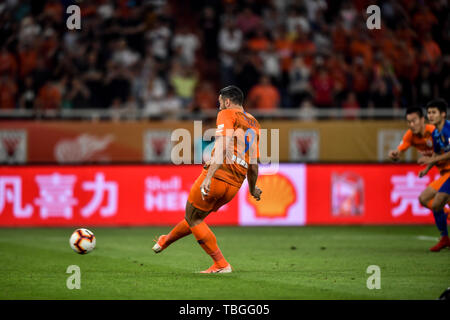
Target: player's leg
(197,209)
(427,196)
(439,202)
(206,238)
(227,196)
(182,229)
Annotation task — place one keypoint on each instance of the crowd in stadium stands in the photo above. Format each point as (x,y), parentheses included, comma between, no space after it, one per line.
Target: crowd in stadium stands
(163,56)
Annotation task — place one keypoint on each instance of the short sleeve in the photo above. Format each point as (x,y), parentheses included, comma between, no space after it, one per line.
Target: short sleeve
(406,142)
(225,123)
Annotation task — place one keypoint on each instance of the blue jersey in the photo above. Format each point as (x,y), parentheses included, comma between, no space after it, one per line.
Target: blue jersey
(441,144)
(441,140)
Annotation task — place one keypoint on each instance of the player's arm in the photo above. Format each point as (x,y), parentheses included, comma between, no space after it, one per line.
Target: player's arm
(252,172)
(425,171)
(252,176)
(395,155)
(435,158)
(220,149)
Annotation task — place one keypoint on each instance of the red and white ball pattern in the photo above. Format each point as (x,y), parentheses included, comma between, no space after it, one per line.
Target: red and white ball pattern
(82,241)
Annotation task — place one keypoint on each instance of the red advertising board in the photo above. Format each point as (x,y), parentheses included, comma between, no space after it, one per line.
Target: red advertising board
(100,196)
(138,195)
(366,194)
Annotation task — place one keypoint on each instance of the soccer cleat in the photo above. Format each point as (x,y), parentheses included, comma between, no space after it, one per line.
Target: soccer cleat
(159,245)
(216,269)
(443,243)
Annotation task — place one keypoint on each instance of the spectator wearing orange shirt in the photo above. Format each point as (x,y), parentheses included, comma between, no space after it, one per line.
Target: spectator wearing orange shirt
(27,60)
(339,37)
(362,47)
(424,20)
(304,46)
(284,48)
(430,51)
(264,95)
(49,96)
(54,10)
(8,64)
(8,90)
(258,42)
(205,97)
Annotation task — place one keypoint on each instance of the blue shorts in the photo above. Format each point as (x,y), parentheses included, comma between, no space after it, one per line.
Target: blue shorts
(445,187)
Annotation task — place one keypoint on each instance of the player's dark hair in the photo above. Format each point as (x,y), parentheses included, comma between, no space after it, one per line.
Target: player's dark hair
(439,103)
(417,110)
(233,93)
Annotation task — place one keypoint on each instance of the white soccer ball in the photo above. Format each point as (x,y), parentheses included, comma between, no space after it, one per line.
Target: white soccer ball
(82,241)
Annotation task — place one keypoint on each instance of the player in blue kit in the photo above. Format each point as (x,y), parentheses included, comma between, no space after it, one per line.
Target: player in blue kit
(437,114)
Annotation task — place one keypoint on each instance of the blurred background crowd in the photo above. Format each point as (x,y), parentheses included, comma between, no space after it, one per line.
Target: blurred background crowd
(166,56)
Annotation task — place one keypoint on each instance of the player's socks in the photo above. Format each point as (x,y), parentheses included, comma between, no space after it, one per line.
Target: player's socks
(179,231)
(207,240)
(441,222)
(447,212)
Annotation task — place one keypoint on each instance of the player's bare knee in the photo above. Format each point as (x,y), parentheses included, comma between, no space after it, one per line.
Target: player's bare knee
(423,201)
(425,197)
(439,202)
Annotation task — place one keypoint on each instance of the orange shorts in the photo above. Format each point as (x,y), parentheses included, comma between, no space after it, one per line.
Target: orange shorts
(437,184)
(220,193)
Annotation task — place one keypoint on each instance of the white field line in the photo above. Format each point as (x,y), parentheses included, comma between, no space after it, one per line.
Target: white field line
(427,238)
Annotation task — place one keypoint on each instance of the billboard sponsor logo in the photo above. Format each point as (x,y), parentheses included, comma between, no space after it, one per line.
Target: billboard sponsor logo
(85,147)
(13,146)
(272,204)
(304,145)
(164,195)
(157,145)
(283,201)
(347,194)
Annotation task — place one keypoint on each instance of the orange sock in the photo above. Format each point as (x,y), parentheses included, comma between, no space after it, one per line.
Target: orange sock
(207,240)
(179,231)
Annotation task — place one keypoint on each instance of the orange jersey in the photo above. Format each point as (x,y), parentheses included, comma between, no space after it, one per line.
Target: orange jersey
(242,129)
(424,144)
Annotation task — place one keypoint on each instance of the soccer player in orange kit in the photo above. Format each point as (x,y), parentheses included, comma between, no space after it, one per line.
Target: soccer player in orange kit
(233,159)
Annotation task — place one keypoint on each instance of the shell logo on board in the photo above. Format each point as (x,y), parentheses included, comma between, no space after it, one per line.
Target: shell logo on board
(278,195)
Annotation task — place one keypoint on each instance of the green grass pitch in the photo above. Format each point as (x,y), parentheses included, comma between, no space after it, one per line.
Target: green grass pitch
(269,263)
